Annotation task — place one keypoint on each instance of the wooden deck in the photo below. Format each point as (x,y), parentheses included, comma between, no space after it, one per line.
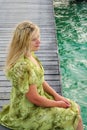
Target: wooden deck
(40,12)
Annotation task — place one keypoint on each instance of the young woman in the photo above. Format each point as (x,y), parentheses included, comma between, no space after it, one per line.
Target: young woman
(34,105)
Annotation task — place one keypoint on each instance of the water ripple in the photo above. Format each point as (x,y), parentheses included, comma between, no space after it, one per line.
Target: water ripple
(71,25)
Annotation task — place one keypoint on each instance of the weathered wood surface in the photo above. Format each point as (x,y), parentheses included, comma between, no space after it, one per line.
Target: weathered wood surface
(40,12)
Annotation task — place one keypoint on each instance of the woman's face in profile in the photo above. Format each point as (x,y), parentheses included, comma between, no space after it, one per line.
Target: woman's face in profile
(35,42)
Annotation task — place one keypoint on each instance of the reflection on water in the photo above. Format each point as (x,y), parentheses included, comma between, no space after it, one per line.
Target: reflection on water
(71,25)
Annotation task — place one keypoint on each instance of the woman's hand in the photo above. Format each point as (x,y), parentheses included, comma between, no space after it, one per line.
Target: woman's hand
(63,104)
(66,101)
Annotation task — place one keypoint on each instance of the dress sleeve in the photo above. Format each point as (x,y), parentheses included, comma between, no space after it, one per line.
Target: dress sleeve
(20,77)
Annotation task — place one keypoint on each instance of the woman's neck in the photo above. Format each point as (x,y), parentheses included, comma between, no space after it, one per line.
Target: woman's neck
(28,54)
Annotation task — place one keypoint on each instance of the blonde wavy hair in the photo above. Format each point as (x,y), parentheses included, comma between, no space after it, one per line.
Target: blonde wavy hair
(21,42)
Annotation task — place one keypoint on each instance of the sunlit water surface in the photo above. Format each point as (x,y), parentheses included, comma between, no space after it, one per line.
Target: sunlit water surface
(71,25)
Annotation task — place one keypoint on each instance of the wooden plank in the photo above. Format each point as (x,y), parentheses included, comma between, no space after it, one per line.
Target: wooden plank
(43,62)
(45,66)
(4,83)
(46,72)
(51,51)
(5,95)
(2,102)
(39,54)
(5,89)
(53,77)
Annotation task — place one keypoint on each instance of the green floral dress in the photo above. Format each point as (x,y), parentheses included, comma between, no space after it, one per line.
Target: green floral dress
(21,114)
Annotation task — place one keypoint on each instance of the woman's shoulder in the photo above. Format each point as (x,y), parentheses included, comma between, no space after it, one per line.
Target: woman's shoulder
(22,61)
(20,65)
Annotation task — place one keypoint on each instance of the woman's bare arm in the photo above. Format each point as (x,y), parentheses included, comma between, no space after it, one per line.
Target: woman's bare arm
(52,92)
(33,96)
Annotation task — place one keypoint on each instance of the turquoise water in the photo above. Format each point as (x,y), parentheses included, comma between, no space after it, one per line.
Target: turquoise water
(71,26)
